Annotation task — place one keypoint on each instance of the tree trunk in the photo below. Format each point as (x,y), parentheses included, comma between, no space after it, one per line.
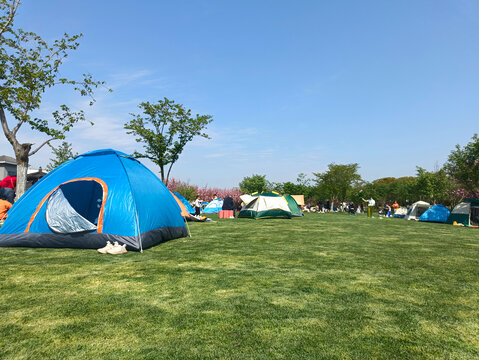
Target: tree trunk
(21,154)
(162,173)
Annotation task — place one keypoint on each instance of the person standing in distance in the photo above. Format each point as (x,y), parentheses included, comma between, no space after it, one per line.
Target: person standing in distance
(371,204)
(197,205)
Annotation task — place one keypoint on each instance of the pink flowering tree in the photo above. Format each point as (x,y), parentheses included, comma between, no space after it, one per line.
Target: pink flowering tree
(206,194)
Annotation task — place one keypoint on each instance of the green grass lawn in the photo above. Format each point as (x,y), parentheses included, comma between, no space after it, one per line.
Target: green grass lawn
(324,286)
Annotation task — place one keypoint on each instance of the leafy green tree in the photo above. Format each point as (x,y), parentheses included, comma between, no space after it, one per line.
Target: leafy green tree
(404,190)
(254,183)
(463,166)
(188,192)
(434,187)
(304,187)
(337,182)
(297,189)
(28,67)
(274,186)
(62,154)
(389,189)
(303,180)
(292,188)
(382,189)
(165,128)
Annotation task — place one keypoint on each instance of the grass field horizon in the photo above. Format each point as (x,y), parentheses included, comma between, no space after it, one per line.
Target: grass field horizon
(322,286)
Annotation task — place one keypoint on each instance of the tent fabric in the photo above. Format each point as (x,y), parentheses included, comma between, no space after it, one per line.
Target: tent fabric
(266,205)
(466,213)
(246,198)
(183,211)
(299,199)
(213,207)
(293,205)
(63,218)
(185,202)
(416,210)
(110,189)
(437,213)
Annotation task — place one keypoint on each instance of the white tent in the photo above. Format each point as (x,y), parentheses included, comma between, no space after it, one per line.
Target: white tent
(246,198)
(416,210)
(265,205)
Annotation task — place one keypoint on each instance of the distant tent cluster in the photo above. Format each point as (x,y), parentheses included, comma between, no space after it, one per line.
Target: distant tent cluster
(465,213)
(106,195)
(259,206)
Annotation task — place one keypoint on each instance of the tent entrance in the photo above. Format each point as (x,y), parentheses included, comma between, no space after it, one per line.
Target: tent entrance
(474,215)
(75,207)
(420,211)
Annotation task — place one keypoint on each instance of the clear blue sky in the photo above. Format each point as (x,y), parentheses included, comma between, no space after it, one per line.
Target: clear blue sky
(292,86)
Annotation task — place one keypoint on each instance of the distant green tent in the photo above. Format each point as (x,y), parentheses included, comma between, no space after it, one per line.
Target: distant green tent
(265,205)
(466,213)
(293,205)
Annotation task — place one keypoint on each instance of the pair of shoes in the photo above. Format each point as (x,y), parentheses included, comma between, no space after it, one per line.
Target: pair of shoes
(108,246)
(117,249)
(113,249)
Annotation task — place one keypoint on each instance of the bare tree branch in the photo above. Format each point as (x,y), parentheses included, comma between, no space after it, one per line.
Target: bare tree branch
(42,145)
(8,134)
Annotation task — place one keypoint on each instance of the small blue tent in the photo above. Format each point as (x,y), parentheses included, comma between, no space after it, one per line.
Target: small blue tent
(213,207)
(98,196)
(437,213)
(185,202)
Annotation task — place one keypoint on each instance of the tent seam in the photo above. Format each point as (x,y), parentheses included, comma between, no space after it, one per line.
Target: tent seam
(134,203)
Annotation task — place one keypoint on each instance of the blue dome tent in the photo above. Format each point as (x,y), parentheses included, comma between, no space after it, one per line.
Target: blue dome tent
(98,196)
(437,213)
(185,202)
(213,207)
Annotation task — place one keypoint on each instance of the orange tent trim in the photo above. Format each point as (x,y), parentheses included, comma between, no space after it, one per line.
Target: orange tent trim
(184,212)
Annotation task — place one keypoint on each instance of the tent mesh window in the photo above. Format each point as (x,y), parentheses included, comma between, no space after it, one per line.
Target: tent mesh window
(75,207)
(420,211)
